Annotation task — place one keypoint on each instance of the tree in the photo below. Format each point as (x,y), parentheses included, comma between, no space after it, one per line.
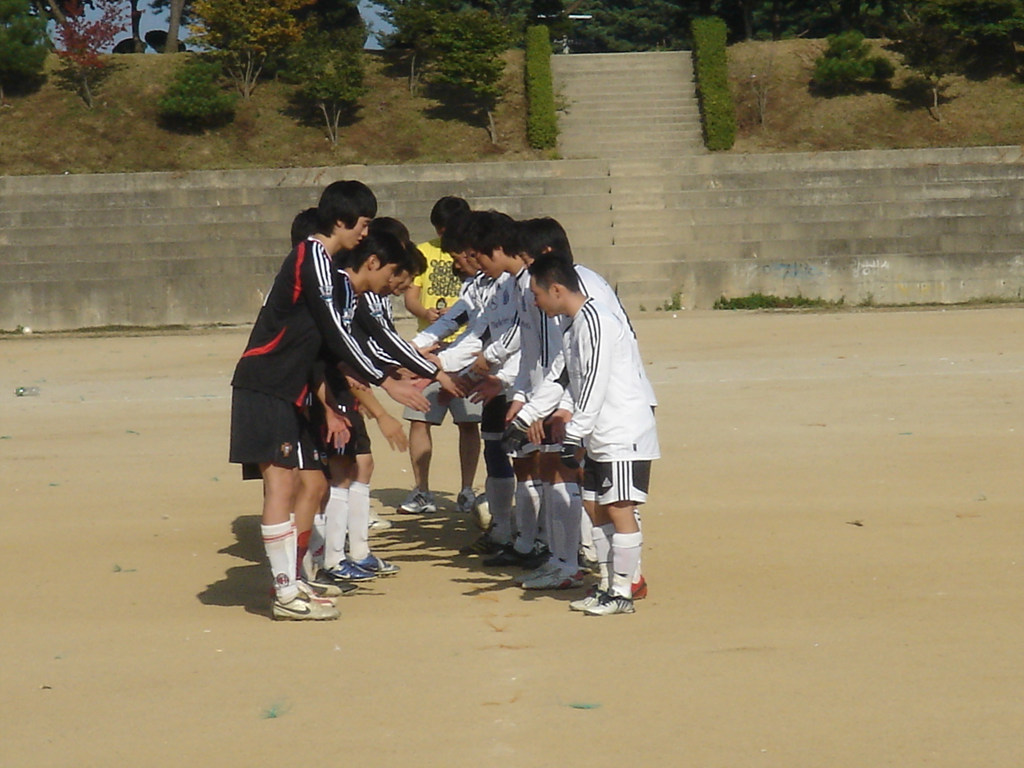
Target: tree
(23,45)
(195,98)
(413,24)
(630,25)
(469,48)
(80,42)
(179,12)
(329,68)
(246,33)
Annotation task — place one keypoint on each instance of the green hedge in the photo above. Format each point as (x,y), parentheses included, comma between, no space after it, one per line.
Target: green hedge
(713,83)
(541,122)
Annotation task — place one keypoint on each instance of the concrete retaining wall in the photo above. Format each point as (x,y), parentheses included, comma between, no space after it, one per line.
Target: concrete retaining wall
(186,248)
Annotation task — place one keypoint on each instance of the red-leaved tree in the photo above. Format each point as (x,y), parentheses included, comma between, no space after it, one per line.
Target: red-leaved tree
(79,43)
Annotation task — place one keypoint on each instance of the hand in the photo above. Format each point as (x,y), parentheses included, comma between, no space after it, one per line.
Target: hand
(448,384)
(407,392)
(556,424)
(514,437)
(339,429)
(356,384)
(480,365)
(536,432)
(433,314)
(393,432)
(428,349)
(513,409)
(485,390)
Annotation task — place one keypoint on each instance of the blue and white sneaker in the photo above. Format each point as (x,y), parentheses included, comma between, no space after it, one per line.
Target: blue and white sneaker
(349,571)
(373,564)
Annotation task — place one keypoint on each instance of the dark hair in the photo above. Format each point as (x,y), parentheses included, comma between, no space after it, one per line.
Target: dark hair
(303,225)
(539,236)
(391,226)
(487,230)
(453,240)
(555,267)
(386,247)
(344,201)
(446,208)
(417,261)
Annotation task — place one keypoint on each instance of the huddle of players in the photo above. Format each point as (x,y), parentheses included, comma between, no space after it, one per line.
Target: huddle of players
(558,370)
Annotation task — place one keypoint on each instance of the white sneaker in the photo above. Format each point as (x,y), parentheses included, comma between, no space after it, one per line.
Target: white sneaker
(303,607)
(557,580)
(545,569)
(465,501)
(419,503)
(378,523)
(589,601)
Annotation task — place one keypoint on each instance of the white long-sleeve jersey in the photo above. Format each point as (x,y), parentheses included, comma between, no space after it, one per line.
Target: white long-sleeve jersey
(473,297)
(612,414)
(497,316)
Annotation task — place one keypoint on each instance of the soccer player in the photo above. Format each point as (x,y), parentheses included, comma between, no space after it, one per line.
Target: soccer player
(430,297)
(269,432)
(612,420)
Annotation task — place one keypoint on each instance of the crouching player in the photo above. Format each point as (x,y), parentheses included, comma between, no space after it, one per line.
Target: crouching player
(611,418)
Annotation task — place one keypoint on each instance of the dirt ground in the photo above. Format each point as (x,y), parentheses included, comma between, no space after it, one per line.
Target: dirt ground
(834,546)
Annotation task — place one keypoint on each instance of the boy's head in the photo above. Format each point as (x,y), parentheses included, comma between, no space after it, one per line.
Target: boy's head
(390,225)
(345,210)
(304,224)
(379,262)
(417,266)
(491,237)
(542,235)
(444,210)
(554,283)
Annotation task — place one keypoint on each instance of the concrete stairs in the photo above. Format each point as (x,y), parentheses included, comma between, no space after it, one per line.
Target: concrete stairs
(627,105)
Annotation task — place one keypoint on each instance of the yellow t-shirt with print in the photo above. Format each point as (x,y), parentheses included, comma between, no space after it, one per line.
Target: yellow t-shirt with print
(439,285)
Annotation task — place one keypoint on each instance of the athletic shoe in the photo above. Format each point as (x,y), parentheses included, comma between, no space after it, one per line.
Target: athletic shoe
(544,569)
(510,556)
(302,607)
(464,501)
(608,604)
(349,571)
(323,580)
(482,512)
(373,564)
(378,523)
(588,565)
(584,603)
(419,503)
(557,579)
(639,589)
(483,545)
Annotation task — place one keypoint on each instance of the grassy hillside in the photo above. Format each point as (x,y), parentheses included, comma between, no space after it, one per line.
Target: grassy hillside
(52,131)
(972,113)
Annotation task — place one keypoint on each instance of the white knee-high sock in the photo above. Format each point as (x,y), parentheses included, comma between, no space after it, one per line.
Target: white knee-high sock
(563,499)
(317,540)
(527,509)
(587,534)
(279,543)
(603,546)
(625,558)
(500,493)
(358,521)
(640,561)
(336,528)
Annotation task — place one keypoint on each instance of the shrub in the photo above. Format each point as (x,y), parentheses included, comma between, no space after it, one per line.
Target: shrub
(847,67)
(541,121)
(196,98)
(717,108)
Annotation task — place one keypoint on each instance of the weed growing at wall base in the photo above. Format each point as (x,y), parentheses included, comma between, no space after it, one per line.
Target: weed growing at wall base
(767,301)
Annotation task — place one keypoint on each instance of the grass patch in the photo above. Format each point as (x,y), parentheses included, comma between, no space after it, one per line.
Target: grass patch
(767,301)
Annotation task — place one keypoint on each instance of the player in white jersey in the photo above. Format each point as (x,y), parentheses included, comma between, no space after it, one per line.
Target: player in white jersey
(612,420)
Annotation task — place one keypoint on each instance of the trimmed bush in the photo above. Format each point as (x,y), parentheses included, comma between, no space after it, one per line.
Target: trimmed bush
(196,98)
(541,121)
(716,104)
(846,67)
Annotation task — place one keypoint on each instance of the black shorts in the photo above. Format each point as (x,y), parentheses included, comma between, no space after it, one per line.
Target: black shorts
(492,420)
(607,482)
(269,430)
(358,443)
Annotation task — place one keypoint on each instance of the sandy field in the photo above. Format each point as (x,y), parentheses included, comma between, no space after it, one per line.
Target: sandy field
(834,546)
